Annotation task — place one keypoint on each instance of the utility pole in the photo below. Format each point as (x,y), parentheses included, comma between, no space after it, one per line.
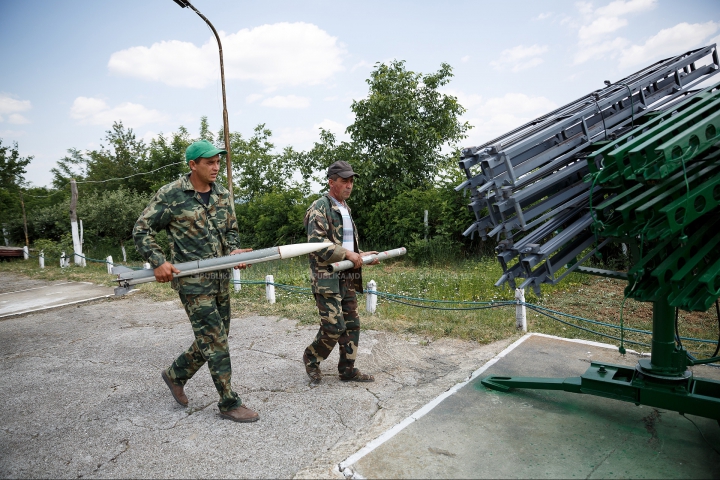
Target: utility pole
(226,128)
(22,204)
(77,248)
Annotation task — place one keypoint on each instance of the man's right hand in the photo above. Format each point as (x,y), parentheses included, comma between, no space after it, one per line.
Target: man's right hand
(354,257)
(164,273)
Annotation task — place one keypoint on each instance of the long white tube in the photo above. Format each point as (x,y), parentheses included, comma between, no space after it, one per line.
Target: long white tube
(347,264)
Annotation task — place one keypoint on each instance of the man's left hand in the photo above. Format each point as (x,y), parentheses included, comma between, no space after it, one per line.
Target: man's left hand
(365,254)
(241,266)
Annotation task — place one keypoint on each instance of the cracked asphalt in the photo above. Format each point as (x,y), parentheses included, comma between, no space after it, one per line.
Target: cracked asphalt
(81,394)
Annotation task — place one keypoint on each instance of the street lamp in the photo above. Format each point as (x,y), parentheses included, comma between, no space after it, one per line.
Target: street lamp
(226,129)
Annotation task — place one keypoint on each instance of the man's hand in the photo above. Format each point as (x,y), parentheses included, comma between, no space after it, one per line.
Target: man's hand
(164,273)
(241,266)
(365,254)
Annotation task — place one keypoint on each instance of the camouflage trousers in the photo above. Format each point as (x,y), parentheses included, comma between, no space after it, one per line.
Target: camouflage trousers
(210,319)
(339,324)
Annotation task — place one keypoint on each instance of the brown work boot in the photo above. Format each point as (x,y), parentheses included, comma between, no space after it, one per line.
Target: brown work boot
(177,391)
(358,377)
(240,414)
(313,372)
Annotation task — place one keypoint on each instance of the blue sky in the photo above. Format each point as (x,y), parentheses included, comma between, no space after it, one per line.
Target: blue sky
(71,68)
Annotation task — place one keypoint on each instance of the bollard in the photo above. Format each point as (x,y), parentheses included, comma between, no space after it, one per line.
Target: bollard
(147,266)
(41,257)
(371,298)
(236,279)
(520,312)
(62,260)
(26,252)
(109,264)
(270,288)
(83,262)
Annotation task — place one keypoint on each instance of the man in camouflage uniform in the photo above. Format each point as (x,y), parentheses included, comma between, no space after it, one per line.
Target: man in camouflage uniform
(200,222)
(329,219)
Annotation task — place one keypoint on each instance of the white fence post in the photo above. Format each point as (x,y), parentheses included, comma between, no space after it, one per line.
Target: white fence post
(5,236)
(236,279)
(41,257)
(520,311)
(62,260)
(371,298)
(26,252)
(270,288)
(147,266)
(109,264)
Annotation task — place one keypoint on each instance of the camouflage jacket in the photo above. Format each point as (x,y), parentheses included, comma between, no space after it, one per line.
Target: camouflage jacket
(195,231)
(323,222)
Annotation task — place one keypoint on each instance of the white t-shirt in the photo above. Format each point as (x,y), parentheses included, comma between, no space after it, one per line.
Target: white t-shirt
(348,235)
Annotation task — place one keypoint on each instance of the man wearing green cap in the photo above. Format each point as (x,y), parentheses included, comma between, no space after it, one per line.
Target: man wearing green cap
(196,213)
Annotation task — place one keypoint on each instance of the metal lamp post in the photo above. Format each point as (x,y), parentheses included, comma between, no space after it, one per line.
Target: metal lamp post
(226,129)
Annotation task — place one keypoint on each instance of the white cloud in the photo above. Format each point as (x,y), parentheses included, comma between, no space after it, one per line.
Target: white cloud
(304,138)
(498,115)
(288,101)
(598,24)
(11,106)
(520,58)
(362,64)
(620,7)
(94,111)
(252,98)
(273,55)
(669,41)
(599,27)
(467,100)
(610,47)
(543,16)
(17,119)
(465,59)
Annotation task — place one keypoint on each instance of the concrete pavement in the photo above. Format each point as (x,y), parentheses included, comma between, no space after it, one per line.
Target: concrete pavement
(81,394)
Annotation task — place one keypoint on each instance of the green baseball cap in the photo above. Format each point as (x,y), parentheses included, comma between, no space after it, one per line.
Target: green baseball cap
(203,149)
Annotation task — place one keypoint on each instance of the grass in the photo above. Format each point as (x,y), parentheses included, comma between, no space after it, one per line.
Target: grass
(580,295)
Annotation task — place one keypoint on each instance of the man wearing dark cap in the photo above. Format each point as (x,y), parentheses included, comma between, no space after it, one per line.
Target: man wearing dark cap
(196,213)
(329,220)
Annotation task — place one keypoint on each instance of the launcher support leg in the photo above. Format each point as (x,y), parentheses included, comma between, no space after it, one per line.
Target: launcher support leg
(663,381)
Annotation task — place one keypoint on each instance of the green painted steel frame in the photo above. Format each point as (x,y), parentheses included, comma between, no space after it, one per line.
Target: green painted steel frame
(662,381)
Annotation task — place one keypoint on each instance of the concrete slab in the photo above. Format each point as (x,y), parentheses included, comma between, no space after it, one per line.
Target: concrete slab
(81,395)
(33,297)
(480,433)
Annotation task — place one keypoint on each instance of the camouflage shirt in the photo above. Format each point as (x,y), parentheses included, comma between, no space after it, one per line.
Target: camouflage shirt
(323,222)
(196,231)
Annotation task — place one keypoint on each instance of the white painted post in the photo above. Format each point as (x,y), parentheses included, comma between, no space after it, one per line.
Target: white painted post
(426,225)
(371,298)
(270,288)
(5,235)
(26,252)
(77,246)
(236,279)
(520,312)
(109,264)
(147,266)
(122,247)
(62,260)
(41,257)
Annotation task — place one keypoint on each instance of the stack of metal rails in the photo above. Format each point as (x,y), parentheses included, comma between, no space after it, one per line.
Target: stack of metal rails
(534,187)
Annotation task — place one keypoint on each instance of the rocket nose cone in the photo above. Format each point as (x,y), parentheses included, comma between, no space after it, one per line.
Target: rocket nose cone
(297,249)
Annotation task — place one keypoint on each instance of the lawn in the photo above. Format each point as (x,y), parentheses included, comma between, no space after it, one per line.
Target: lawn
(593,298)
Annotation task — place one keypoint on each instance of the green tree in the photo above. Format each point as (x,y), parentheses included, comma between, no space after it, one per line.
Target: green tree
(402,129)
(12,167)
(123,157)
(258,170)
(166,158)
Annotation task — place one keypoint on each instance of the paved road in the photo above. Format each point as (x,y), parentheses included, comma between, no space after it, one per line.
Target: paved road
(81,395)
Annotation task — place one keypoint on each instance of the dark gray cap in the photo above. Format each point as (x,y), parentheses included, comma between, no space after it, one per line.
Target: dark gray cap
(342,169)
